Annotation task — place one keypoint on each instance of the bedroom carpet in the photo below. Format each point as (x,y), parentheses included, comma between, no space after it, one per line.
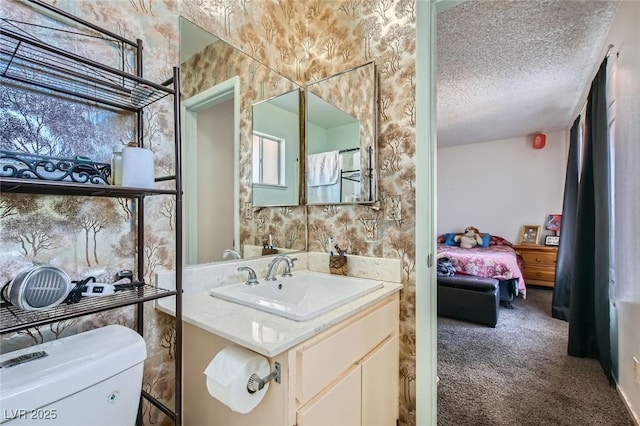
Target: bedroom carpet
(519,373)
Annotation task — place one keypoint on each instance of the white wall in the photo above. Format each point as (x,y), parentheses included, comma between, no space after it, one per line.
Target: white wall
(499,186)
(625,35)
(318,135)
(343,137)
(215,181)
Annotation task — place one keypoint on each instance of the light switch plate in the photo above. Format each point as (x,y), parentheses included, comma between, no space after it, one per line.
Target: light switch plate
(248,211)
(393,208)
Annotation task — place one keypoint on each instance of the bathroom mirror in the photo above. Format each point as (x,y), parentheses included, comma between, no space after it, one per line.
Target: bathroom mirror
(276,151)
(341,134)
(220,85)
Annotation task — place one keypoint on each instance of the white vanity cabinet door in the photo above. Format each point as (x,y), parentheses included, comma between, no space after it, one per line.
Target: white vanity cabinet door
(320,362)
(340,404)
(380,384)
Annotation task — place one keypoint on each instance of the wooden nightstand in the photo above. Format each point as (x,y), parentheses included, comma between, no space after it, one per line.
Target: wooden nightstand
(539,264)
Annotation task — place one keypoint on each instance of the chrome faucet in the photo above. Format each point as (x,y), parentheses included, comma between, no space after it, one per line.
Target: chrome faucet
(273,267)
(252,280)
(230,254)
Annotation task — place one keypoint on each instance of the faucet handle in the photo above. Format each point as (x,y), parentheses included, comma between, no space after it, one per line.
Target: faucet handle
(252,280)
(230,254)
(288,265)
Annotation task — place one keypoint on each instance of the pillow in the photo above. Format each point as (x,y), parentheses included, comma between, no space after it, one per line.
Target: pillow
(449,241)
(499,241)
(486,239)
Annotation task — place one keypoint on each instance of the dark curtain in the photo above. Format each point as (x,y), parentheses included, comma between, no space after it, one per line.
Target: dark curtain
(589,313)
(564,266)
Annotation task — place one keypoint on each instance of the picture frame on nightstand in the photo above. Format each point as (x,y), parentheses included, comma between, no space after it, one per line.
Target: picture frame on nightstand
(530,234)
(552,240)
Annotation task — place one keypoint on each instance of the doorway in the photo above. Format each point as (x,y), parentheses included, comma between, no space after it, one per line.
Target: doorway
(211,178)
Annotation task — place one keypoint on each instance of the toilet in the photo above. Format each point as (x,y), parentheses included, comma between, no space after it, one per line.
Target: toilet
(94,377)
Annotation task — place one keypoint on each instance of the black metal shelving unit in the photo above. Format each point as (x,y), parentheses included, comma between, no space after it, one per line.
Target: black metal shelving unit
(15,319)
(36,64)
(27,186)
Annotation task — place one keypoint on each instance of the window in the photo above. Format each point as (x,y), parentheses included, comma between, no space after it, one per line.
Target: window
(268,159)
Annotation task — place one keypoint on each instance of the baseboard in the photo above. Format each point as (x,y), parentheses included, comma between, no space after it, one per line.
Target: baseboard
(634,416)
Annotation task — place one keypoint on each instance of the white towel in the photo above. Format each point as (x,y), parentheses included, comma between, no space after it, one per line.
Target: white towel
(323,168)
(323,194)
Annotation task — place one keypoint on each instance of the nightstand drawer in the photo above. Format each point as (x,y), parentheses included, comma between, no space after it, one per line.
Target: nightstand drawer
(539,259)
(538,274)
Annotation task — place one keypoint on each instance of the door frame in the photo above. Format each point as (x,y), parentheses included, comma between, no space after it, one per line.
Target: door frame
(426,208)
(190,107)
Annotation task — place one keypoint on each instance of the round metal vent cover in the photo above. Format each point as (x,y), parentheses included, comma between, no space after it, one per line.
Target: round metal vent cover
(38,288)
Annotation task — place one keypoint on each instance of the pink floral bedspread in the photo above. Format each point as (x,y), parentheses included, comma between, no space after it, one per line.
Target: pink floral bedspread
(498,261)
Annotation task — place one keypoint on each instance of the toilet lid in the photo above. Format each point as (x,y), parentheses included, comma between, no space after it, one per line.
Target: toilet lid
(67,366)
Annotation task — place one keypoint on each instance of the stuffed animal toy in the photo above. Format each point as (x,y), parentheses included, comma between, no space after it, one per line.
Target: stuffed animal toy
(470,238)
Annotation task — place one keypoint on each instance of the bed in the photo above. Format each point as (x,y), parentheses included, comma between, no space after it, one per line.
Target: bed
(499,260)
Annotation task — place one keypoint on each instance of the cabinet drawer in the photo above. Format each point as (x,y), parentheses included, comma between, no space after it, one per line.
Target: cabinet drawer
(339,405)
(539,274)
(322,362)
(543,259)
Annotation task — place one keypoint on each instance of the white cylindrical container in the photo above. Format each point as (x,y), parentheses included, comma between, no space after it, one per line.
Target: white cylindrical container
(137,167)
(116,166)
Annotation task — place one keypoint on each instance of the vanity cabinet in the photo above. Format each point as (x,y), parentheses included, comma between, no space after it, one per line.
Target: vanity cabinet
(346,375)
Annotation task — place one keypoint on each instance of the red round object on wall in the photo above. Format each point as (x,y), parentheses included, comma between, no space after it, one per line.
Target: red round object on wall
(539,140)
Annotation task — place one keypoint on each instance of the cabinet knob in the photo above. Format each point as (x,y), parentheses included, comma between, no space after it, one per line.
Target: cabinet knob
(538,274)
(538,259)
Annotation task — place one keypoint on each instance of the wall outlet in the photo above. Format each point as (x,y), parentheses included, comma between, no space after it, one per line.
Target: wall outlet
(636,373)
(371,229)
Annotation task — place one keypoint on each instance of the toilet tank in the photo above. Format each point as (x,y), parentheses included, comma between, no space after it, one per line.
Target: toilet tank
(94,377)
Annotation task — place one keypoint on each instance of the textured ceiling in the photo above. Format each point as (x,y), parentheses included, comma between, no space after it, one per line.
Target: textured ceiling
(513,68)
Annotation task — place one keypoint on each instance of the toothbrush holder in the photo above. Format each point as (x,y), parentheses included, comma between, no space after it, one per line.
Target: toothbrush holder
(338,265)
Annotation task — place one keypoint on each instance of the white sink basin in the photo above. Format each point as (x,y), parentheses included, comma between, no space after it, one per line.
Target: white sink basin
(301,297)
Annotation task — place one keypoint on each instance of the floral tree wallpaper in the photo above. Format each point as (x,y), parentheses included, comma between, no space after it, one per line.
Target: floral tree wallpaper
(302,40)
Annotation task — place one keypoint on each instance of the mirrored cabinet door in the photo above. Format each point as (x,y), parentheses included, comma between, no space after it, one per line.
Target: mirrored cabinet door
(341,134)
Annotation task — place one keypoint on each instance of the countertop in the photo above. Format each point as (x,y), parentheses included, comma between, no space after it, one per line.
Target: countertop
(259,331)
